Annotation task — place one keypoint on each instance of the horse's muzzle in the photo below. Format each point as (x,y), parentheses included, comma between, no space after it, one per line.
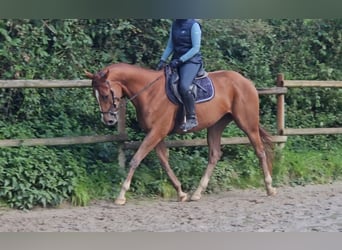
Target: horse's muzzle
(110,119)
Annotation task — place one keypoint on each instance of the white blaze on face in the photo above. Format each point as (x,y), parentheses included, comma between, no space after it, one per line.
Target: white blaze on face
(97,95)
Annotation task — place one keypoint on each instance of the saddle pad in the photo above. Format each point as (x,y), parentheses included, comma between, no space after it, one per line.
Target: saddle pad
(205,90)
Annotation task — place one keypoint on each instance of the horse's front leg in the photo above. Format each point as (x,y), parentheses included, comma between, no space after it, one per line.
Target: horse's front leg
(214,142)
(214,156)
(164,160)
(149,142)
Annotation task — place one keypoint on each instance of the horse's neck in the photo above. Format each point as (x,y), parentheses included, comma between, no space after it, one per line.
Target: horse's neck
(139,83)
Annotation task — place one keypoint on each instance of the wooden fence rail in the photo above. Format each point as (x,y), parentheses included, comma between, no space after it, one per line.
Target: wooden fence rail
(282,83)
(203,142)
(45,83)
(121,127)
(57,141)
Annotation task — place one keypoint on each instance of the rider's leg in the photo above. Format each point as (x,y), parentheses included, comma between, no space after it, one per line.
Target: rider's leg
(187,74)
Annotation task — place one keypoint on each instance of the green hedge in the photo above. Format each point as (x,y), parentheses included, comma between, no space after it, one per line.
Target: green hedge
(37,176)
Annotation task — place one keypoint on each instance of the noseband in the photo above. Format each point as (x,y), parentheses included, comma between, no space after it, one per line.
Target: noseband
(113,110)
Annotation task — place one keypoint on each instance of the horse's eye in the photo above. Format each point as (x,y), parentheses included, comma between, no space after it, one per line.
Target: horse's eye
(105,97)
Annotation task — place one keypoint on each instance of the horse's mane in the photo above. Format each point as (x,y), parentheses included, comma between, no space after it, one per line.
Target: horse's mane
(123,65)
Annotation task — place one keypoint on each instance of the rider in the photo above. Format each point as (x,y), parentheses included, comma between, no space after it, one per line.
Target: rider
(184,43)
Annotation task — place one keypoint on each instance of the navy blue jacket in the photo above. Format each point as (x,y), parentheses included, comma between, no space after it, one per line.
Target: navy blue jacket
(184,41)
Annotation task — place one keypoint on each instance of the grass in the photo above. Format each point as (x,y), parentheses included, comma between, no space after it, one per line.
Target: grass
(240,170)
(309,167)
(290,168)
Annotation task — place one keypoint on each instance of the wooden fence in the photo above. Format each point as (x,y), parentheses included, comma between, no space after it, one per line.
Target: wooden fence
(282,83)
(122,135)
(280,90)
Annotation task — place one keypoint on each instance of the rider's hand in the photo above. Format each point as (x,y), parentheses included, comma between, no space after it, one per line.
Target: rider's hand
(175,63)
(161,65)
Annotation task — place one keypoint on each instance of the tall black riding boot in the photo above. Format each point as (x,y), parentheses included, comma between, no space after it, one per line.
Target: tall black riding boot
(189,104)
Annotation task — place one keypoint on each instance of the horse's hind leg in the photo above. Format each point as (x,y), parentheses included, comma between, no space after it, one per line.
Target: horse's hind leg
(267,161)
(250,125)
(214,142)
(261,154)
(162,153)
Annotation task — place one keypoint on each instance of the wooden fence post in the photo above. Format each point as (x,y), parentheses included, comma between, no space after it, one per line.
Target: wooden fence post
(280,106)
(122,131)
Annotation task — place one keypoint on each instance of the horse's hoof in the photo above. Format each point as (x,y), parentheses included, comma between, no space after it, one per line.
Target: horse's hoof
(183,197)
(120,201)
(272,192)
(195,197)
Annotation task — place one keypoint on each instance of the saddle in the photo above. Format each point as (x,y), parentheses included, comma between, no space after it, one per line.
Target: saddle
(202,86)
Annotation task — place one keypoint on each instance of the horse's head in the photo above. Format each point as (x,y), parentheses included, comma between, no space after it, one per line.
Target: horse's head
(108,95)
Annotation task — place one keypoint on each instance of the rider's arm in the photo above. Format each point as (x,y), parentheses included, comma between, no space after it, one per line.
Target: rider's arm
(196,42)
(169,48)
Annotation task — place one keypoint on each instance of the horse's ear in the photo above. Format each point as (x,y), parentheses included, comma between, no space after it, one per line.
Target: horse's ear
(89,75)
(105,75)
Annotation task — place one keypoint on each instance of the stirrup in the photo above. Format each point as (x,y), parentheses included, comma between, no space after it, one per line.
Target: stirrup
(189,124)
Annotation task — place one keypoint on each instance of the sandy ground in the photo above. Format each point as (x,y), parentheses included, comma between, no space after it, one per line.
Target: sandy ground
(294,209)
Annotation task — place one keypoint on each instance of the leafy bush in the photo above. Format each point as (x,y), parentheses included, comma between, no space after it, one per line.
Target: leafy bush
(36,176)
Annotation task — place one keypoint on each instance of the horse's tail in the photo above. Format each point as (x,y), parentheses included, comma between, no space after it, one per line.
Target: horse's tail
(269,147)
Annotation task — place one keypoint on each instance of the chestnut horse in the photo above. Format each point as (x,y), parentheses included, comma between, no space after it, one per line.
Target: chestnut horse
(236,99)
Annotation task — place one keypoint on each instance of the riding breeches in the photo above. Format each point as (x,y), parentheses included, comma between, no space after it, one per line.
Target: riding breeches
(187,73)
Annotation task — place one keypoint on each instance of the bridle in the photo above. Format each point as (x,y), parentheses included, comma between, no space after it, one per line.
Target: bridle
(113,110)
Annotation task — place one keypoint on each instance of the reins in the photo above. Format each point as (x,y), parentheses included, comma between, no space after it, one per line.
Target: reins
(140,91)
(144,88)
